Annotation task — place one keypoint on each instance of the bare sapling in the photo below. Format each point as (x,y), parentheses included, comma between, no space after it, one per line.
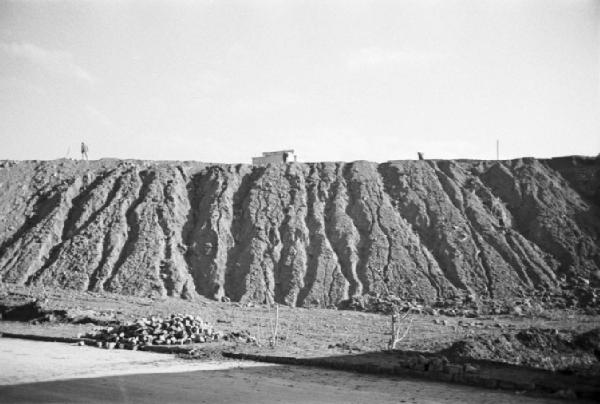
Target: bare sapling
(400,327)
(274,327)
(44,294)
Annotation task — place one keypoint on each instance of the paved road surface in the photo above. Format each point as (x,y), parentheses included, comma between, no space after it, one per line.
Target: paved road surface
(38,372)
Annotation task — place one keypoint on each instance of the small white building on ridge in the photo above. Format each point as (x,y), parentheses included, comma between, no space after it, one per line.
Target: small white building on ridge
(280,156)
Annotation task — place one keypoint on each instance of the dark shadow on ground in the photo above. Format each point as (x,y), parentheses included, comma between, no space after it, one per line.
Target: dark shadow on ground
(480,373)
(262,384)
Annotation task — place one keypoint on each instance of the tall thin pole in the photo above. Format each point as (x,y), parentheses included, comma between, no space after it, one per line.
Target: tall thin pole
(497,149)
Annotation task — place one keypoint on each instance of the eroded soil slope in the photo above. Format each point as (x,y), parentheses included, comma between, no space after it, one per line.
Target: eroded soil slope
(303,234)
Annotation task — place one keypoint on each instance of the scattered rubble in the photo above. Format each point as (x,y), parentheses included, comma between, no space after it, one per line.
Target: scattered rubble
(440,364)
(549,349)
(385,304)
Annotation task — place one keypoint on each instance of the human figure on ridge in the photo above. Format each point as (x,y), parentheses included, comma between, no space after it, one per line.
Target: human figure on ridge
(84,151)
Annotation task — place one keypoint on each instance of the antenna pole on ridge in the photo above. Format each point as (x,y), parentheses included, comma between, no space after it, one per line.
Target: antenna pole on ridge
(497,149)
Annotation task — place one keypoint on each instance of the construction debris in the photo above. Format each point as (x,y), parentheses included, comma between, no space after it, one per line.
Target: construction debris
(385,304)
(179,329)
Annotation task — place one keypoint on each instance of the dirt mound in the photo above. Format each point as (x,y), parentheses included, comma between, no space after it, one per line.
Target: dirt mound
(590,341)
(30,311)
(35,312)
(534,347)
(305,234)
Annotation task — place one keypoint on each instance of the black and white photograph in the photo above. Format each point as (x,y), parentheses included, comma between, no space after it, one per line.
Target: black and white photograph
(300,201)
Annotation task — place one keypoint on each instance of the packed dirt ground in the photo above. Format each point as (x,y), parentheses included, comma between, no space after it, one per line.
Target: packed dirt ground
(301,331)
(49,372)
(550,340)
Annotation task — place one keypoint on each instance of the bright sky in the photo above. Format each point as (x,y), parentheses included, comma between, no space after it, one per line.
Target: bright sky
(222,81)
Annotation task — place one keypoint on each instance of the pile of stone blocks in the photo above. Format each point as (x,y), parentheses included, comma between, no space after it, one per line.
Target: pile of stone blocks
(177,330)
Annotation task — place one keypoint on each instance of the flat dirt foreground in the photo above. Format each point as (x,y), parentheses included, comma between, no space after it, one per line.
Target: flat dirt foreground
(54,372)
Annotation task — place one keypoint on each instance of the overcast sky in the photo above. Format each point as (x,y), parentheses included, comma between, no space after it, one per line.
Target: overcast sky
(221,81)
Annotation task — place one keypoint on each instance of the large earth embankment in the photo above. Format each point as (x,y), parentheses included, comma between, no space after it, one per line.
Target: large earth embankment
(302,234)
